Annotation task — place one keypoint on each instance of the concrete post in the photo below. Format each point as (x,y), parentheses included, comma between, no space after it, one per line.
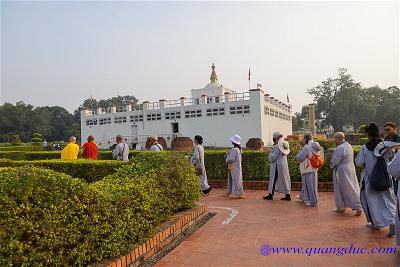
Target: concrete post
(311,118)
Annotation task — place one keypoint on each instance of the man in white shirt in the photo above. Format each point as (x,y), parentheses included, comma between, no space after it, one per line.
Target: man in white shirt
(155,146)
(121,150)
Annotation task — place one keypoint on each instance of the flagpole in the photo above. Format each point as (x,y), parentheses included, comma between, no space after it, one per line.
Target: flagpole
(249,78)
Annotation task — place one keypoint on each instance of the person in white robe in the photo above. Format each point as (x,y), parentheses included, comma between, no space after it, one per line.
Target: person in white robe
(379,206)
(308,173)
(345,184)
(234,161)
(279,177)
(197,160)
(394,171)
(155,146)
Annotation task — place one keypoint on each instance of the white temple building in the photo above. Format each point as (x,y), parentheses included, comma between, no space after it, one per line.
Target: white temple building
(214,112)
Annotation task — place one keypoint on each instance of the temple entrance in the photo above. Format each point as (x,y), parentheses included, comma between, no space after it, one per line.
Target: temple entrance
(175,127)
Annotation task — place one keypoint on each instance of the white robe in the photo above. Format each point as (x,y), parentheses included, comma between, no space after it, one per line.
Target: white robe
(235,178)
(309,192)
(379,206)
(279,177)
(394,170)
(198,161)
(345,184)
(156,148)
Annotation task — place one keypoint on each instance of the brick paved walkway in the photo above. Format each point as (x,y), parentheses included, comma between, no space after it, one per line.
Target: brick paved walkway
(278,223)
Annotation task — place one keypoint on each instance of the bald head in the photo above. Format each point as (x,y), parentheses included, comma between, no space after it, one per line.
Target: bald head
(72,139)
(339,137)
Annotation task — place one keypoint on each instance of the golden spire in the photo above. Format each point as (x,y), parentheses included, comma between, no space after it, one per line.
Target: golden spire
(213,76)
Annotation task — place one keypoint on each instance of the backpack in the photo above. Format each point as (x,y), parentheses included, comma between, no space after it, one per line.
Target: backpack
(316,161)
(380,179)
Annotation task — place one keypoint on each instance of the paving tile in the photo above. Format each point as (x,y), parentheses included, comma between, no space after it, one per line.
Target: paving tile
(279,224)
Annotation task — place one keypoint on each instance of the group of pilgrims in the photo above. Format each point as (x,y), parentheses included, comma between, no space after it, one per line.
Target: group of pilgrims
(381,208)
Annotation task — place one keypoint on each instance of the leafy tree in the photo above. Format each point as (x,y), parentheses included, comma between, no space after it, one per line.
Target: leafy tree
(300,119)
(92,103)
(53,122)
(342,102)
(388,108)
(37,139)
(15,141)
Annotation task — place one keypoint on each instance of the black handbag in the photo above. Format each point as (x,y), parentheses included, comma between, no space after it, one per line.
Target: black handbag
(380,179)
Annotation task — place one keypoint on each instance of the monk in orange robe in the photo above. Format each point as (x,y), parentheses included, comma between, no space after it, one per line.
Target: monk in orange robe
(90,149)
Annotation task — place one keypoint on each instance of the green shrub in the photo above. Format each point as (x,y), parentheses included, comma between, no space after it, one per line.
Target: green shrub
(21,148)
(88,170)
(361,129)
(255,166)
(176,176)
(363,141)
(43,216)
(107,154)
(30,155)
(37,139)
(327,144)
(156,186)
(5,144)
(16,141)
(49,218)
(27,154)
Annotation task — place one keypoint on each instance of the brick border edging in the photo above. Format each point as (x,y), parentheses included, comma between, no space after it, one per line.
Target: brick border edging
(169,231)
(263,185)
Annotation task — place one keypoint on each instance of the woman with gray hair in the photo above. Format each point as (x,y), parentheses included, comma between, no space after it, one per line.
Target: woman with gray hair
(279,177)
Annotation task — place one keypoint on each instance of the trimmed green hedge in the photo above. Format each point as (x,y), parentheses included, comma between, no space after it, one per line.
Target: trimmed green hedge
(44,155)
(22,148)
(255,164)
(88,170)
(49,218)
(30,155)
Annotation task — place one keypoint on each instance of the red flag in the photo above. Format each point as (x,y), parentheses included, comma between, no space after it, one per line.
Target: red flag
(249,74)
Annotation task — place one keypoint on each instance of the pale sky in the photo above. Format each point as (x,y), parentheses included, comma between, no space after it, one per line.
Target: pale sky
(59,53)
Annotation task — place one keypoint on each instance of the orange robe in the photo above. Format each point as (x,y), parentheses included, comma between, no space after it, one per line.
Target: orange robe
(90,150)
